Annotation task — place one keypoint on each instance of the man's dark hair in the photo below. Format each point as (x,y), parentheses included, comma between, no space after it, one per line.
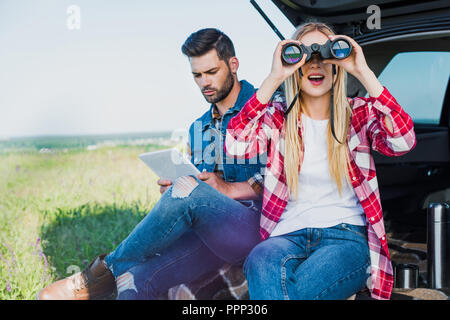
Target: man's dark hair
(204,40)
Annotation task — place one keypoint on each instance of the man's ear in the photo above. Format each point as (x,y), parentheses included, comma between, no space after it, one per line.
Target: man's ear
(233,64)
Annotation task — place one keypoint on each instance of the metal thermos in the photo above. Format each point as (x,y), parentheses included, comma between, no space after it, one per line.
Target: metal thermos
(406,276)
(438,245)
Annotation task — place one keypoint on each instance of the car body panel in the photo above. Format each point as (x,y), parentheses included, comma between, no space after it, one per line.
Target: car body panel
(350,16)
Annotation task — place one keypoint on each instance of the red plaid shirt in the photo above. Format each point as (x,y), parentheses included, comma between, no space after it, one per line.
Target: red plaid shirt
(259,128)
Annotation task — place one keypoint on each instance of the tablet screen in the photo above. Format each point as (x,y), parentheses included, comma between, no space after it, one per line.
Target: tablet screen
(169,164)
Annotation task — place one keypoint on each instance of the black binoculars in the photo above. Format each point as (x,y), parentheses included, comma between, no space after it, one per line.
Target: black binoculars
(339,48)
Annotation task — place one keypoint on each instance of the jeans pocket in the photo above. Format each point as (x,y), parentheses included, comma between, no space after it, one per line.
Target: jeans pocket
(287,272)
(360,231)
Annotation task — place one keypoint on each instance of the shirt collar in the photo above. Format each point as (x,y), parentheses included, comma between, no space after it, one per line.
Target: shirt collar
(215,115)
(247,90)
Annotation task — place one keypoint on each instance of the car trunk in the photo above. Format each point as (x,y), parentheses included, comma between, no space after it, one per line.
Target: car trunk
(349,16)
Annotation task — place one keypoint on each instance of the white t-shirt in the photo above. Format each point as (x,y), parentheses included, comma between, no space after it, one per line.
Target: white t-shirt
(319,204)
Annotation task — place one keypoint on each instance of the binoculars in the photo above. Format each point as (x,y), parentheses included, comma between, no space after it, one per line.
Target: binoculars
(339,48)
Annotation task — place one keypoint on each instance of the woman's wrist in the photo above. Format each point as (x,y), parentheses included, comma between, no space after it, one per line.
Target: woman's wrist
(268,88)
(277,80)
(360,72)
(370,81)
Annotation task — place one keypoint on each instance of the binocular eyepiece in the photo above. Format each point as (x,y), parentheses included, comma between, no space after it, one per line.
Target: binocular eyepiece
(339,48)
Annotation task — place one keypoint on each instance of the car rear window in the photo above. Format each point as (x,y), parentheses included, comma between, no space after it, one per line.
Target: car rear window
(418,81)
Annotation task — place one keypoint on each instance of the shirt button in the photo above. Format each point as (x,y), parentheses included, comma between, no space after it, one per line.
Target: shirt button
(372,219)
(354,178)
(383,238)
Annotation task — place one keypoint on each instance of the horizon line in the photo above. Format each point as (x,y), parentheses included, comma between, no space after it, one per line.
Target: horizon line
(5,137)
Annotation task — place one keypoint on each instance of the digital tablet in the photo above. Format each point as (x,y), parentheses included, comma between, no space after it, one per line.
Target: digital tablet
(169,164)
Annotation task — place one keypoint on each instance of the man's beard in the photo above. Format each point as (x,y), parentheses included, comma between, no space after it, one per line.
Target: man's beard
(223,92)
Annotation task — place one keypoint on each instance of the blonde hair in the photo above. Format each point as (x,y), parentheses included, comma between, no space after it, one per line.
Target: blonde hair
(338,159)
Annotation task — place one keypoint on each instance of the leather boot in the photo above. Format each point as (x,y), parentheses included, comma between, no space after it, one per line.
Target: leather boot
(95,282)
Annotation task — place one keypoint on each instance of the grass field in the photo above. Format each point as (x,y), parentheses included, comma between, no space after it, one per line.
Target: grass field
(62,207)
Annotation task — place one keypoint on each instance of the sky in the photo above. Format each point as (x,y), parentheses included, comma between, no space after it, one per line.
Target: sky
(122,70)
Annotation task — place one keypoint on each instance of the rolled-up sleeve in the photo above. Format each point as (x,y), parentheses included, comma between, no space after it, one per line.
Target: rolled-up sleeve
(402,139)
(249,132)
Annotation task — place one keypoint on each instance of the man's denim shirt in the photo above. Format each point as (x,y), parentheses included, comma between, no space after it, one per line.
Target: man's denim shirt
(207,142)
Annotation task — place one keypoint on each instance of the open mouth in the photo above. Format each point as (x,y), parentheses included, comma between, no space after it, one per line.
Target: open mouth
(316,79)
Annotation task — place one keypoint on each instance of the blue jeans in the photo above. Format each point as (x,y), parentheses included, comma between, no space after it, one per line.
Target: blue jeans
(310,264)
(192,230)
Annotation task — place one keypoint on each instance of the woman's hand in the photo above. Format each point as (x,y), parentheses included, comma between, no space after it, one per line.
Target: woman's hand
(278,73)
(356,65)
(281,71)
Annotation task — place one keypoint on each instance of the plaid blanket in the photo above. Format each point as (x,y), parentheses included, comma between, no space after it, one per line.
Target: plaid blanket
(227,283)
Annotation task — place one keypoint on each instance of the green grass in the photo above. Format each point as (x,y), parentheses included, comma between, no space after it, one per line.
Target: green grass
(77,142)
(59,210)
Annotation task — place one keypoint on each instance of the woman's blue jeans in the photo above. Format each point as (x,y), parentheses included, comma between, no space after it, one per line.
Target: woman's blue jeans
(192,230)
(310,264)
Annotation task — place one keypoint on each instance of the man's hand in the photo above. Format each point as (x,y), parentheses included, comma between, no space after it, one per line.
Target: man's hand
(164,185)
(215,181)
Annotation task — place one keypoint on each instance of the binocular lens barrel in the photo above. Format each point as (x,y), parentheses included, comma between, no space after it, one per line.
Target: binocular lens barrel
(341,49)
(291,53)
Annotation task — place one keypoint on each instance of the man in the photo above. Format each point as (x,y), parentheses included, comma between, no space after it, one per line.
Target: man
(200,223)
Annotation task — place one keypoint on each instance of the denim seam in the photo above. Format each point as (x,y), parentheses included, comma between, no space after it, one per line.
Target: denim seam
(355,232)
(164,236)
(255,209)
(359,234)
(220,209)
(174,224)
(283,272)
(317,241)
(337,282)
(149,280)
(224,211)
(211,205)
(190,219)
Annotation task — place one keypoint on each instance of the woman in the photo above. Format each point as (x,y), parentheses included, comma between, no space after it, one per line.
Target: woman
(322,219)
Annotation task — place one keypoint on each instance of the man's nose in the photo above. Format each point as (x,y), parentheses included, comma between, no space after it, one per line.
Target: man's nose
(205,81)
